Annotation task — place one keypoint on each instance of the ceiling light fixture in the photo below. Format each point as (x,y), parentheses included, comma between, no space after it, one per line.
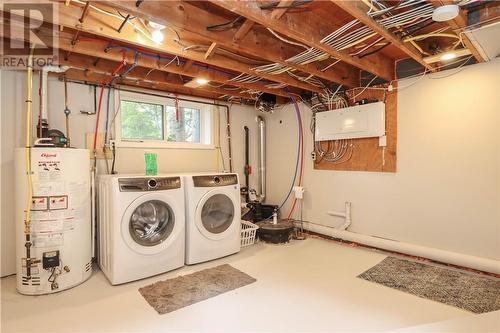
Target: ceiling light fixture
(448,56)
(445,13)
(156,35)
(201,81)
(196,82)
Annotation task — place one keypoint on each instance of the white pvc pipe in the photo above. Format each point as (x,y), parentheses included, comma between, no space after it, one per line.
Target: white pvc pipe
(482,264)
(45,73)
(346,215)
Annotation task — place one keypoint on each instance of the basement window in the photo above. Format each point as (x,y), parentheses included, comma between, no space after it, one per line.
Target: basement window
(156,122)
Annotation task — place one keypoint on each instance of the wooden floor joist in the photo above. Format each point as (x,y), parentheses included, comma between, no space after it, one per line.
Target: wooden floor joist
(305,29)
(260,44)
(358,9)
(98,24)
(143,74)
(243,30)
(95,49)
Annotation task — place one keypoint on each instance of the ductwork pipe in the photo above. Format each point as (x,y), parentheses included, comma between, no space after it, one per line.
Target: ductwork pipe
(482,264)
(43,91)
(262,158)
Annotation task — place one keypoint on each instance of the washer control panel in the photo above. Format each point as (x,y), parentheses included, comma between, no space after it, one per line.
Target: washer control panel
(149,184)
(215,180)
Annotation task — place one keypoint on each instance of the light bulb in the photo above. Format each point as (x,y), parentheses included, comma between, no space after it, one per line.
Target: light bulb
(157,36)
(201,81)
(448,56)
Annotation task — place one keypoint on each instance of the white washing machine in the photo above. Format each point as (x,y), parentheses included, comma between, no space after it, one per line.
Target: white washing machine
(141,226)
(213,220)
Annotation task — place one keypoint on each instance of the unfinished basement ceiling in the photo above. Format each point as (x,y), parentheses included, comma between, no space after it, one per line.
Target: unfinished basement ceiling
(247,48)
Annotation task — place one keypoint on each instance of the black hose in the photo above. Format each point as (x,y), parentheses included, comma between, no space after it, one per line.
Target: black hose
(247,161)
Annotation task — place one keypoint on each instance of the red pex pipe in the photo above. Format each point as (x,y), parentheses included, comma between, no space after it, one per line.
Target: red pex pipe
(104,83)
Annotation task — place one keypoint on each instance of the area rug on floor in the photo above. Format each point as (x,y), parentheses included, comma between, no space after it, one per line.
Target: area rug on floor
(170,295)
(471,292)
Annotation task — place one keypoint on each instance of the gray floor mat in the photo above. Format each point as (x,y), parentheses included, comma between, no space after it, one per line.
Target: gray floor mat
(471,292)
(170,295)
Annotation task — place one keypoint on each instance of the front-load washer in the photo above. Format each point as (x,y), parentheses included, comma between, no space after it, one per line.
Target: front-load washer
(141,226)
(213,221)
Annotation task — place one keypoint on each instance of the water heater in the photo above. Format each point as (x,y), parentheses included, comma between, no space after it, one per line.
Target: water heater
(55,251)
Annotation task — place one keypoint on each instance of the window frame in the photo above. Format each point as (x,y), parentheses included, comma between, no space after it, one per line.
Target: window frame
(207,125)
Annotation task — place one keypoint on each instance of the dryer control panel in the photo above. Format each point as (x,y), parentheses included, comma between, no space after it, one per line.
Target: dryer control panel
(215,180)
(149,184)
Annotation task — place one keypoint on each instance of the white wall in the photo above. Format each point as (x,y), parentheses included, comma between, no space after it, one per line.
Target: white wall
(129,160)
(446,193)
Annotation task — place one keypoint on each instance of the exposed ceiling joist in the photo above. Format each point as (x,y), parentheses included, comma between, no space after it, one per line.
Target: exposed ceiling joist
(307,31)
(95,52)
(96,49)
(101,25)
(187,17)
(281,9)
(96,78)
(243,30)
(143,74)
(358,9)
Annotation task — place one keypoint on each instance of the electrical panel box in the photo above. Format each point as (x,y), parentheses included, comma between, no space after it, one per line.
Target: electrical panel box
(360,121)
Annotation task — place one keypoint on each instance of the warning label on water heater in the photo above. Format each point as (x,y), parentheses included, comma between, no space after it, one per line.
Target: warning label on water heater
(39,203)
(58,202)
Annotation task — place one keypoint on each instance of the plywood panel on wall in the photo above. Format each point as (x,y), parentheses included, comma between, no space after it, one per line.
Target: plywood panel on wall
(367,154)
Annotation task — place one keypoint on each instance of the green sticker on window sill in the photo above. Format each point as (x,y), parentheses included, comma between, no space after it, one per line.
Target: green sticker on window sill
(151,165)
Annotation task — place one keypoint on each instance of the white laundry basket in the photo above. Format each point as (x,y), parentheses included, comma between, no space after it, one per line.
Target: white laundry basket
(248,230)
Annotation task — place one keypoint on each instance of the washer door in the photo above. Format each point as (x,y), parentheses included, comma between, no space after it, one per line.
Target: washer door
(148,224)
(215,214)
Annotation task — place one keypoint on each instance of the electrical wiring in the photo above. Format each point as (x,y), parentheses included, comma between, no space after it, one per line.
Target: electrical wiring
(157,56)
(102,11)
(338,151)
(458,70)
(364,89)
(283,39)
(330,65)
(424,36)
(352,34)
(227,25)
(375,51)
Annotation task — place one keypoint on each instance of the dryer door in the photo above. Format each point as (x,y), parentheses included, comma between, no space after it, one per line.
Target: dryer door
(149,225)
(217,214)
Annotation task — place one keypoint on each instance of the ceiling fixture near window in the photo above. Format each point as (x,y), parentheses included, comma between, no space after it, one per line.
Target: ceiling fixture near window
(446,56)
(445,13)
(156,35)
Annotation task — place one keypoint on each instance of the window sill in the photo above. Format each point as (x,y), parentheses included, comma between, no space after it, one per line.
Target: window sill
(163,145)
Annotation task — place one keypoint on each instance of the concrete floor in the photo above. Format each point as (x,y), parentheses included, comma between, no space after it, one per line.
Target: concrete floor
(306,285)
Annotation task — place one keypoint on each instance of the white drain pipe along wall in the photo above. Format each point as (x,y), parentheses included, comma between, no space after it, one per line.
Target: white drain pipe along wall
(446,192)
(129,160)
